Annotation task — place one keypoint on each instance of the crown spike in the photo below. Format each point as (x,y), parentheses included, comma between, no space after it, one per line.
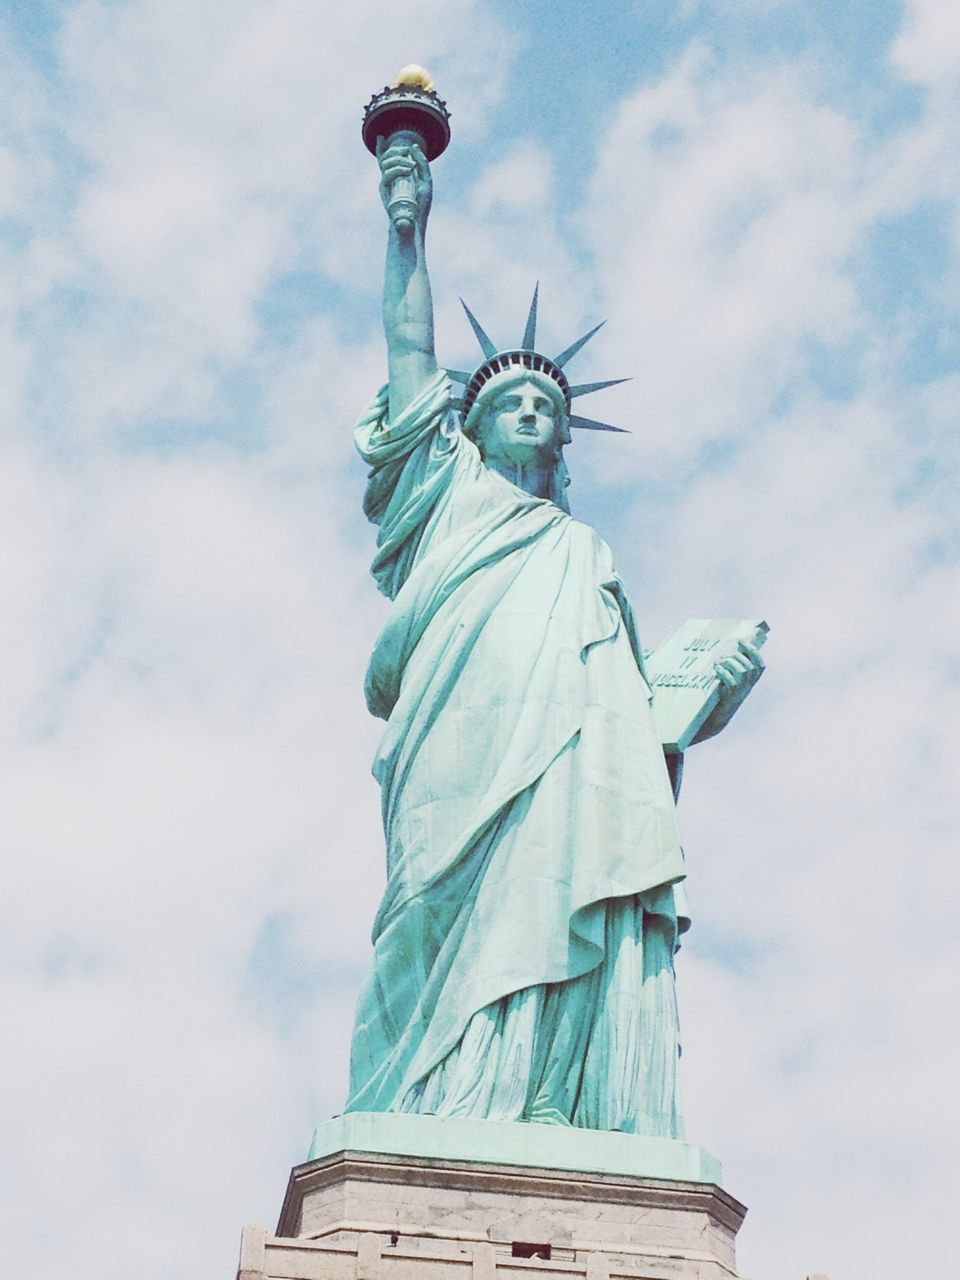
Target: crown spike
(570,352)
(486,346)
(530,332)
(584,388)
(591,424)
(458,375)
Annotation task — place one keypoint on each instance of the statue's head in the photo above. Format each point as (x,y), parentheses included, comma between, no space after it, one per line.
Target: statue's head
(520,418)
(516,406)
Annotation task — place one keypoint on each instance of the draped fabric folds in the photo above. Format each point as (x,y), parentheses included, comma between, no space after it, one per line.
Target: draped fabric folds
(523,948)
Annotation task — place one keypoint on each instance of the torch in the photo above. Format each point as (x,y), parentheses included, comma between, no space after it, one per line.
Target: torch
(407,111)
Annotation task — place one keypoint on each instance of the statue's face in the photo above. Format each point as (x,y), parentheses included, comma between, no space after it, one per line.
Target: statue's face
(521,425)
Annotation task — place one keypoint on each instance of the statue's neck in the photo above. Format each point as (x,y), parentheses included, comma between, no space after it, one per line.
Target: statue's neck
(537,481)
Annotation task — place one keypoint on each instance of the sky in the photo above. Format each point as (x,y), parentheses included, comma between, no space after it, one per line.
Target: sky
(763,200)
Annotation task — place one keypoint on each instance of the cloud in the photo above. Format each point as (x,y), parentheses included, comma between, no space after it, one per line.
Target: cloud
(927,48)
(802,471)
(723,214)
(185,747)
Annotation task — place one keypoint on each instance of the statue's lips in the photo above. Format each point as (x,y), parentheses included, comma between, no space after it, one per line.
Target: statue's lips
(528,431)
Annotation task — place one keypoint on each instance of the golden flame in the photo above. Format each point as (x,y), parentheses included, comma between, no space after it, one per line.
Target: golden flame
(413,77)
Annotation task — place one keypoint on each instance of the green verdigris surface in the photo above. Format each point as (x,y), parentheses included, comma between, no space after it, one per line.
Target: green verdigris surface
(523,950)
(493,1142)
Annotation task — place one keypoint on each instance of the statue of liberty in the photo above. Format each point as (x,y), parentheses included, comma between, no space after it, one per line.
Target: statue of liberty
(524,947)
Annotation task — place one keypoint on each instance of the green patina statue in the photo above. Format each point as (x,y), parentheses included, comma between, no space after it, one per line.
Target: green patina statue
(523,962)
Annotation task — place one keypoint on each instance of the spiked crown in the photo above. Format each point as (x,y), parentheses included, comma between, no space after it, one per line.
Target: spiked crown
(526,357)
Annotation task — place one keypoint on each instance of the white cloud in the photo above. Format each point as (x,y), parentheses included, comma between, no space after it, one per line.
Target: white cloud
(185,750)
(927,48)
(521,180)
(728,214)
(723,214)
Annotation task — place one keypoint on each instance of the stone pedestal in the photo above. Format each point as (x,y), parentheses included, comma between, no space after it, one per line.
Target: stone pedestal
(360,1214)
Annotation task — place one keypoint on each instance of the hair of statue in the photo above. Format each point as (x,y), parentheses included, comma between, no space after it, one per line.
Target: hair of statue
(518,361)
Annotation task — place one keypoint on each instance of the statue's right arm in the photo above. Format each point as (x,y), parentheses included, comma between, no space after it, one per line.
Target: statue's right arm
(407,301)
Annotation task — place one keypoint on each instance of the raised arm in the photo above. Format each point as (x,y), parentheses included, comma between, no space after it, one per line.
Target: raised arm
(407,302)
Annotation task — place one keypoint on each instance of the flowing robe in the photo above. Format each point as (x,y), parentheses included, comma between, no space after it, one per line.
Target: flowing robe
(523,948)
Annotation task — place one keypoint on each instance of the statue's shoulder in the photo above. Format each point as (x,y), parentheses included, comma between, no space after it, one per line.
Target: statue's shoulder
(586,534)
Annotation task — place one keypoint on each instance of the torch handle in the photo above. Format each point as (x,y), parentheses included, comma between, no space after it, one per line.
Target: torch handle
(402,201)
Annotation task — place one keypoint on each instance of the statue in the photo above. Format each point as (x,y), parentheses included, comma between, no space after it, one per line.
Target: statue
(523,950)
